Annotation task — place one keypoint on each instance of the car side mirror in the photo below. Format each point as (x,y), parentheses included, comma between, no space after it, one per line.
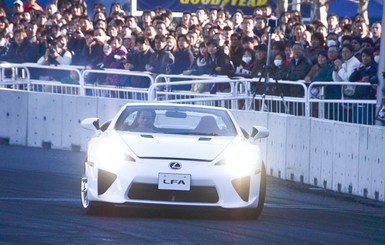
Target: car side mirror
(258,132)
(91,123)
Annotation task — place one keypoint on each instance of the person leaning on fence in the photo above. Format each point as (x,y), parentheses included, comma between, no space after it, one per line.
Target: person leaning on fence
(114,58)
(367,73)
(236,49)
(138,60)
(279,68)
(56,54)
(299,67)
(162,59)
(200,67)
(247,64)
(184,57)
(342,71)
(93,50)
(219,63)
(20,49)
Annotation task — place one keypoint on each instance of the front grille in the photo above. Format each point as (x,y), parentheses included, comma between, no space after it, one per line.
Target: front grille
(150,192)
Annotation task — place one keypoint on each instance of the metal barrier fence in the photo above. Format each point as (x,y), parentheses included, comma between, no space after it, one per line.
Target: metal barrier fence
(343,108)
(169,91)
(296,98)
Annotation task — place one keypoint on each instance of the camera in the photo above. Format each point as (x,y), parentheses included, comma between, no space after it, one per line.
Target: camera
(120,57)
(272,22)
(51,40)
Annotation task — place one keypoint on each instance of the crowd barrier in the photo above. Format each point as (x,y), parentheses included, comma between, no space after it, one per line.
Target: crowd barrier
(244,93)
(347,158)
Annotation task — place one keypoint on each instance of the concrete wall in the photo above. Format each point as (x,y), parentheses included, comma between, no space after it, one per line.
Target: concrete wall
(337,156)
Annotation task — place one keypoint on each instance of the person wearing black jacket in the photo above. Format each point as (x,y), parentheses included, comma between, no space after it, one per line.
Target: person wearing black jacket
(367,73)
(219,63)
(299,66)
(137,62)
(20,50)
(184,57)
(162,59)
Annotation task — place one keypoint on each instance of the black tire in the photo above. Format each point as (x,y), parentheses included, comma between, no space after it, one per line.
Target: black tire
(262,195)
(91,208)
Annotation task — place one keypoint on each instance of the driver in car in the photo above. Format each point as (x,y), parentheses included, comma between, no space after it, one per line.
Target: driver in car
(144,121)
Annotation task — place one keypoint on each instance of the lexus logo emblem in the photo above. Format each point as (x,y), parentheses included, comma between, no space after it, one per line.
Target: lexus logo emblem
(175,165)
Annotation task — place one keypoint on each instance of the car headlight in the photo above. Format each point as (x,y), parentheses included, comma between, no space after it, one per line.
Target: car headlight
(239,160)
(113,153)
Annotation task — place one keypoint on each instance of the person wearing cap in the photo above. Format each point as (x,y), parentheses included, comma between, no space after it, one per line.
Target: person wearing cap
(18,7)
(127,41)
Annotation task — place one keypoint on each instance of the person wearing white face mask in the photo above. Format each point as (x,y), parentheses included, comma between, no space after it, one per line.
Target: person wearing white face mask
(247,64)
(279,70)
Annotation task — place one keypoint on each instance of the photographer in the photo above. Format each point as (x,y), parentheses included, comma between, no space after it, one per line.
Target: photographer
(55,54)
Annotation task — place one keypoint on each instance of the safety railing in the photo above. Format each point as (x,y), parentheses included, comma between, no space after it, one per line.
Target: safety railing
(277,96)
(327,100)
(296,98)
(169,91)
(117,83)
(39,78)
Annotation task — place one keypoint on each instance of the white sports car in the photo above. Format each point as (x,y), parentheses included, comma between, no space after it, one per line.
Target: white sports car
(172,154)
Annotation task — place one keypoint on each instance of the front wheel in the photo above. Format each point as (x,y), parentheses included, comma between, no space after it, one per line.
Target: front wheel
(88,206)
(256,212)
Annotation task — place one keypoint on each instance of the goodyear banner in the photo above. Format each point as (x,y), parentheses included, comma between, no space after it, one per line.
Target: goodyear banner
(180,6)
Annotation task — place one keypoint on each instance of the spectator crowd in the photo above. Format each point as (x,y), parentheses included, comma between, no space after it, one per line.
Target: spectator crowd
(208,41)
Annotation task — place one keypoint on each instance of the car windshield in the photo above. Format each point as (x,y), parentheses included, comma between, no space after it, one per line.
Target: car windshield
(176,120)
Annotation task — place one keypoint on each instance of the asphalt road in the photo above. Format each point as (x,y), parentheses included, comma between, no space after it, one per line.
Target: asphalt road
(39,204)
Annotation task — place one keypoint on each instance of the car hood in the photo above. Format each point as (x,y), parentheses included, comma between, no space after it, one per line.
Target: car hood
(176,146)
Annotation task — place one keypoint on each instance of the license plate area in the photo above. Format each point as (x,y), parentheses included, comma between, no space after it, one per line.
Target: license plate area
(178,182)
